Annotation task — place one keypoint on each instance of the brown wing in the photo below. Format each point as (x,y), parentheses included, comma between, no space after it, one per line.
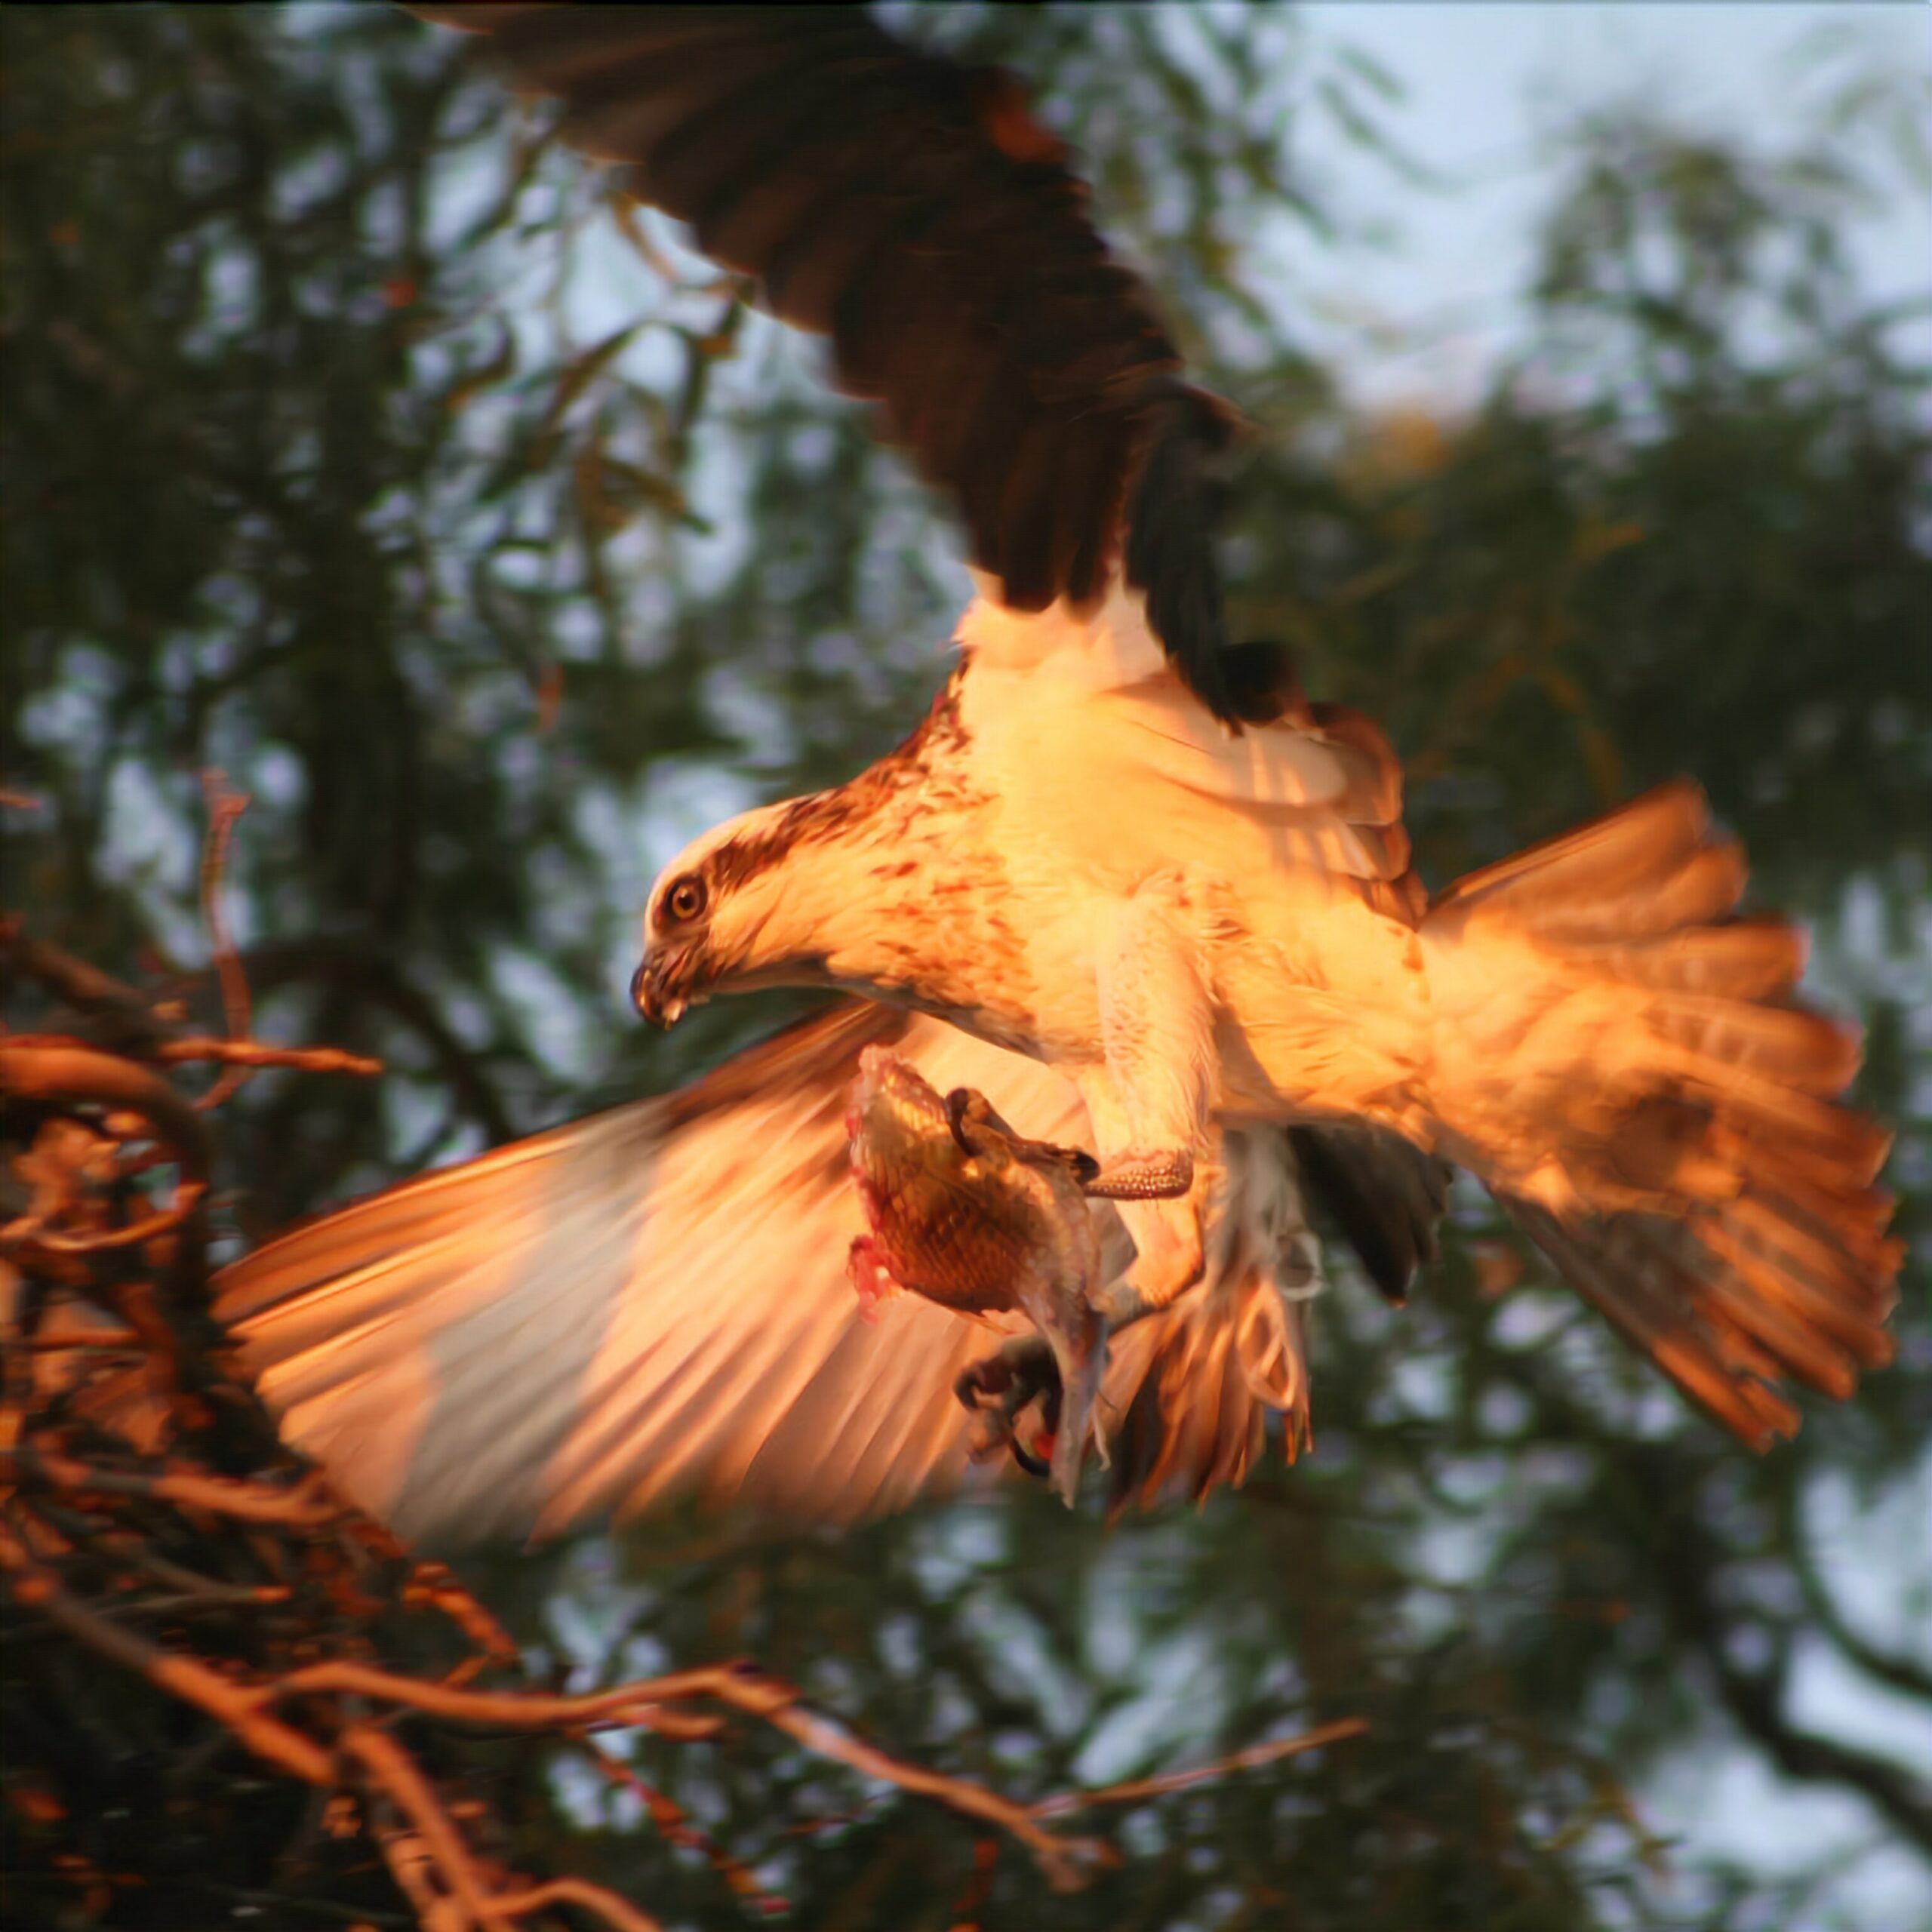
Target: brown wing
(1386,1194)
(650,1303)
(909,208)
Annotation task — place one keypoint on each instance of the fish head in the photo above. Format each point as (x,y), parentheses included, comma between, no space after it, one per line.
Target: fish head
(893,1107)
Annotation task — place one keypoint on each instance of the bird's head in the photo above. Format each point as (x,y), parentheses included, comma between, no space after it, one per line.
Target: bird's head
(732,911)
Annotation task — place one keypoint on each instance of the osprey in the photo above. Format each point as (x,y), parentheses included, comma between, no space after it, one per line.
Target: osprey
(1124,880)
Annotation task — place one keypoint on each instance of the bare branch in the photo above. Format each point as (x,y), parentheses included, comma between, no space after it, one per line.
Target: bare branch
(66,1074)
(395,1773)
(254,1053)
(36,1587)
(1901,1673)
(362,970)
(1251,1759)
(224,807)
(308,1502)
(1756,1699)
(676,1829)
(1066,1861)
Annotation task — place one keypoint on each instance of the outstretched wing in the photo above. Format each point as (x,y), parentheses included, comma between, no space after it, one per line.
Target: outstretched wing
(909,206)
(652,1302)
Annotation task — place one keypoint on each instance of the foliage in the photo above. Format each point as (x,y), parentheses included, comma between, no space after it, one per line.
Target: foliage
(191,1609)
(356,443)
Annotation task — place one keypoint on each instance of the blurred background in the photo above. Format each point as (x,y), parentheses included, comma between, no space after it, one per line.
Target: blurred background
(357,443)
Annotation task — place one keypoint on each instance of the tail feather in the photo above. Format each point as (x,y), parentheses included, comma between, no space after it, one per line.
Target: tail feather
(1587,876)
(1635,1271)
(1786,1044)
(1841,1149)
(1742,958)
(1626,1064)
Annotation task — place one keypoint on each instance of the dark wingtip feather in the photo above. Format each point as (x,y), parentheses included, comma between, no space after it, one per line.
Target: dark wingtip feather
(1386,1195)
(942,240)
(1263,686)
(1173,514)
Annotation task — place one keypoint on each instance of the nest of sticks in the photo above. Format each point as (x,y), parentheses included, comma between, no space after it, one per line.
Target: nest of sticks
(221,1685)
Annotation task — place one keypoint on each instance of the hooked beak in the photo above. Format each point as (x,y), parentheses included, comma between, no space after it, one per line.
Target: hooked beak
(655,1000)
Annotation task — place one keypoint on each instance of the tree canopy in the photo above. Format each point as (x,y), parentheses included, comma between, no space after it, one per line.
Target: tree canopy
(359,443)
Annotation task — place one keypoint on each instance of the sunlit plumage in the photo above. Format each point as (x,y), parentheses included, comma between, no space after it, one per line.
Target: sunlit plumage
(1171,902)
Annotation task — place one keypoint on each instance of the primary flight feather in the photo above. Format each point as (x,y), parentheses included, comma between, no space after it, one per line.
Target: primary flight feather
(1131,886)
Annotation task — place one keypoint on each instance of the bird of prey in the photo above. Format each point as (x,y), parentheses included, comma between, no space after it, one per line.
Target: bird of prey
(1123,879)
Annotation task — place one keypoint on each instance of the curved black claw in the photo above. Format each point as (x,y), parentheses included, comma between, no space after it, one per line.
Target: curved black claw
(997,1389)
(959,1109)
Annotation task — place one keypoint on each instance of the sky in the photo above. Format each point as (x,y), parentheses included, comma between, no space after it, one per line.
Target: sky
(1481,83)
(1423,320)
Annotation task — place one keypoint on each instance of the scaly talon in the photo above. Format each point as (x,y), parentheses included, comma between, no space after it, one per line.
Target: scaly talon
(1164,1176)
(996,1391)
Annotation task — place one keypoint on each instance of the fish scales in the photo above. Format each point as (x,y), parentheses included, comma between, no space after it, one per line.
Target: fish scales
(967,1212)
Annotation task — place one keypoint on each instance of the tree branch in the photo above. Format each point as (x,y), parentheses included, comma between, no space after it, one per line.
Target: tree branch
(362,970)
(1756,1699)
(1901,1673)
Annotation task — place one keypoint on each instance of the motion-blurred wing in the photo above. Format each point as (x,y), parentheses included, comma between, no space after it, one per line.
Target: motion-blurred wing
(909,208)
(652,1302)
(648,1302)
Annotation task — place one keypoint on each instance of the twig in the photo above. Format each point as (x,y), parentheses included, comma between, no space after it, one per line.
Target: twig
(1065,1860)
(190,1583)
(132,1024)
(308,1504)
(36,1587)
(1067,1863)
(626,1704)
(188,1197)
(129,1020)
(675,1828)
(397,1775)
(63,1073)
(224,807)
(363,970)
(432,1582)
(1756,1698)
(1900,1672)
(593,1898)
(56,1341)
(241,1709)
(1250,1759)
(253,1053)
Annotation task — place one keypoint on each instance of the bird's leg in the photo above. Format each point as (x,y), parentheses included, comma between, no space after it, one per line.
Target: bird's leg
(1149,1101)
(1167,1176)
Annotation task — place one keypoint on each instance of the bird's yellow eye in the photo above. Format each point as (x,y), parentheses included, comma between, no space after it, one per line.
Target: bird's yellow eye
(684,900)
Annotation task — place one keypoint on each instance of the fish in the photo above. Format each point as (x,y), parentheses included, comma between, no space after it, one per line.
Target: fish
(966,1211)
